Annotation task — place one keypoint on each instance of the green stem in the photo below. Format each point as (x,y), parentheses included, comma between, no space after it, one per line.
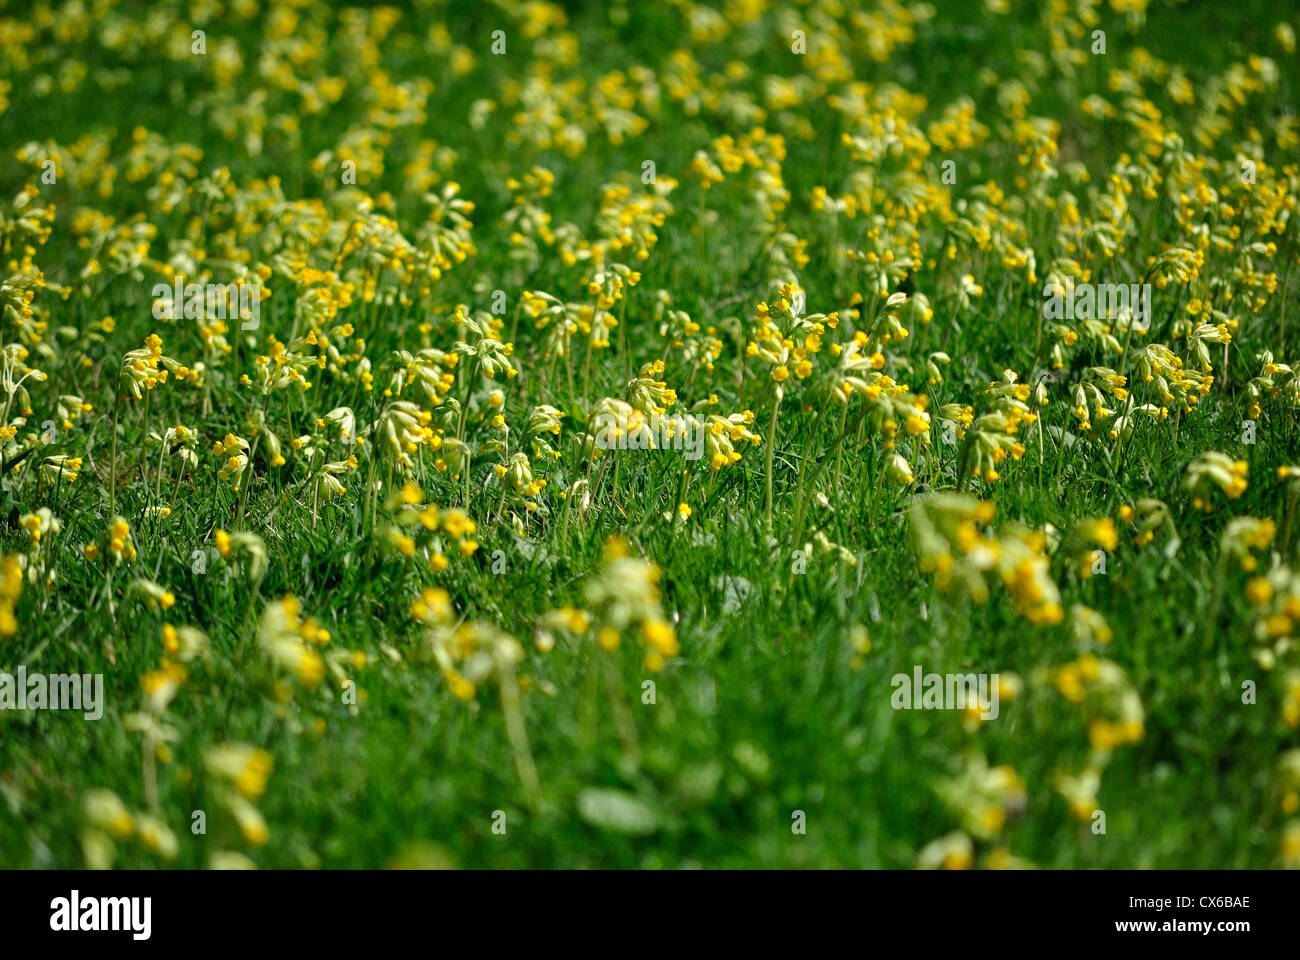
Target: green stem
(801,503)
(112,466)
(770,454)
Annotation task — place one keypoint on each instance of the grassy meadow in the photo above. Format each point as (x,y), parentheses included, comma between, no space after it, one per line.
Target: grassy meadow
(532,434)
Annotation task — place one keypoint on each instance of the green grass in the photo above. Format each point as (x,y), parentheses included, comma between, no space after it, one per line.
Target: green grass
(764,712)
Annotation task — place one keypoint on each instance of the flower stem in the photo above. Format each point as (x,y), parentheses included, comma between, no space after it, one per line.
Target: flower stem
(771,453)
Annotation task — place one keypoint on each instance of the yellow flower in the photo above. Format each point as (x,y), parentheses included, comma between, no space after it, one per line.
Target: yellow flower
(1259,591)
